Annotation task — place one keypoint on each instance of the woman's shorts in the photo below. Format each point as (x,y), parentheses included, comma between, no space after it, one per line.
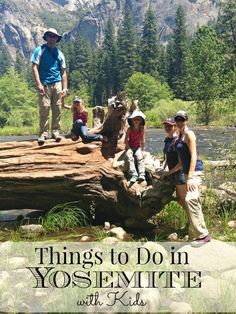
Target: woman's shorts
(177,178)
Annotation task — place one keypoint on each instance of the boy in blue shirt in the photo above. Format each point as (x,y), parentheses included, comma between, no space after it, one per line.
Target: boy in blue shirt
(49,70)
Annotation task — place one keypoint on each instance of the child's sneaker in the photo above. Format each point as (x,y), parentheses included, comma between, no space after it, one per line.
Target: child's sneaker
(104,139)
(200,242)
(133,179)
(141,178)
(73,136)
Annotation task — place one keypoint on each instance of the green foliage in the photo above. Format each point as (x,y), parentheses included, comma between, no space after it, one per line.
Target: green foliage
(18,102)
(149,52)
(147,90)
(62,21)
(205,71)
(20,65)
(99,234)
(177,56)
(5,60)
(163,65)
(106,81)
(226,29)
(174,215)
(167,108)
(64,217)
(126,57)
(80,69)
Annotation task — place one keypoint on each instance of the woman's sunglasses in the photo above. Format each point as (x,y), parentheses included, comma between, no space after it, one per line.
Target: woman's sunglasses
(179,120)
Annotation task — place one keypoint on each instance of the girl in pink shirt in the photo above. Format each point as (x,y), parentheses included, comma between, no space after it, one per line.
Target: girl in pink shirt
(134,142)
(80,120)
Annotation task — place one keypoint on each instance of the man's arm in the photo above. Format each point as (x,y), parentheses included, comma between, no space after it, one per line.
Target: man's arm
(64,82)
(39,85)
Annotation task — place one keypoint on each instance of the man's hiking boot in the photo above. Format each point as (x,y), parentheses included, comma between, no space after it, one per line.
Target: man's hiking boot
(42,138)
(56,136)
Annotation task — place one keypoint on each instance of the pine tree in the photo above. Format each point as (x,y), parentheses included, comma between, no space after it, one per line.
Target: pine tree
(106,83)
(5,60)
(226,29)
(110,60)
(205,67)
(80,68)
(21,65)
(149,56)
(177,64)
(163,69)
(99,95)
(126,56)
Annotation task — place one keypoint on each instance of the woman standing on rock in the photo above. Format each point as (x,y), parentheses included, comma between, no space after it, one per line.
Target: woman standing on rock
(193,170)
(171,158)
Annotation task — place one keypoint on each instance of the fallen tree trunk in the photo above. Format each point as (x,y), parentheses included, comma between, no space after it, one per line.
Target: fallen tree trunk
(41,177)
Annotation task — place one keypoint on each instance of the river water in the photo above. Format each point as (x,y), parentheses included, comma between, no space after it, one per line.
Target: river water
(212,143)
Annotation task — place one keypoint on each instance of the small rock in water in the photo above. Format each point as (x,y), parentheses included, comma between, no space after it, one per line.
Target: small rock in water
(110,240)
(232,224)
(118,232)
(85,239)
(173,237)
(107,225)
(37,229)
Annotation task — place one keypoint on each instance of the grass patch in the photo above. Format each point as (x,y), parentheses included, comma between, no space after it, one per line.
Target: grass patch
(23,130)
(98,234)
(65,217)
(174,215)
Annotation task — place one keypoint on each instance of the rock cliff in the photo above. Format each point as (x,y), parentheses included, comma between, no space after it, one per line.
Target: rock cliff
(22,22)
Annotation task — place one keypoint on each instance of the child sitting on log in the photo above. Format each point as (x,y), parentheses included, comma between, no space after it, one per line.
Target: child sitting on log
(80,119)
(134,142)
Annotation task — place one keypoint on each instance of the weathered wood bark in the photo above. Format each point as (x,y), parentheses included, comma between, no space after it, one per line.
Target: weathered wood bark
(41,177)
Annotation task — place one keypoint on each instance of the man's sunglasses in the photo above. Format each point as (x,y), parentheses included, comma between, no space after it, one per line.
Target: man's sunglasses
(52,35)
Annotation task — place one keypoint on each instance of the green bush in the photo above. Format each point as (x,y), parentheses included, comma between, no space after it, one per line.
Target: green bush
(147,90)
(166,108)
(18,101)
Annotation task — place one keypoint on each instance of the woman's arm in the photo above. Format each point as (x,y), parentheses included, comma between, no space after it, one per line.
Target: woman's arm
(173,170)
(190,139)
(143,139)
(86,116)
(164,164)
(66,106)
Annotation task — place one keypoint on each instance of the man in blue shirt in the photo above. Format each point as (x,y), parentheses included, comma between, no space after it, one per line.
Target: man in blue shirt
(49,70)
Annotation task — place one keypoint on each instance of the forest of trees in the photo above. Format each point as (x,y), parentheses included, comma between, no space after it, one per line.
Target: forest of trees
(199,70)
